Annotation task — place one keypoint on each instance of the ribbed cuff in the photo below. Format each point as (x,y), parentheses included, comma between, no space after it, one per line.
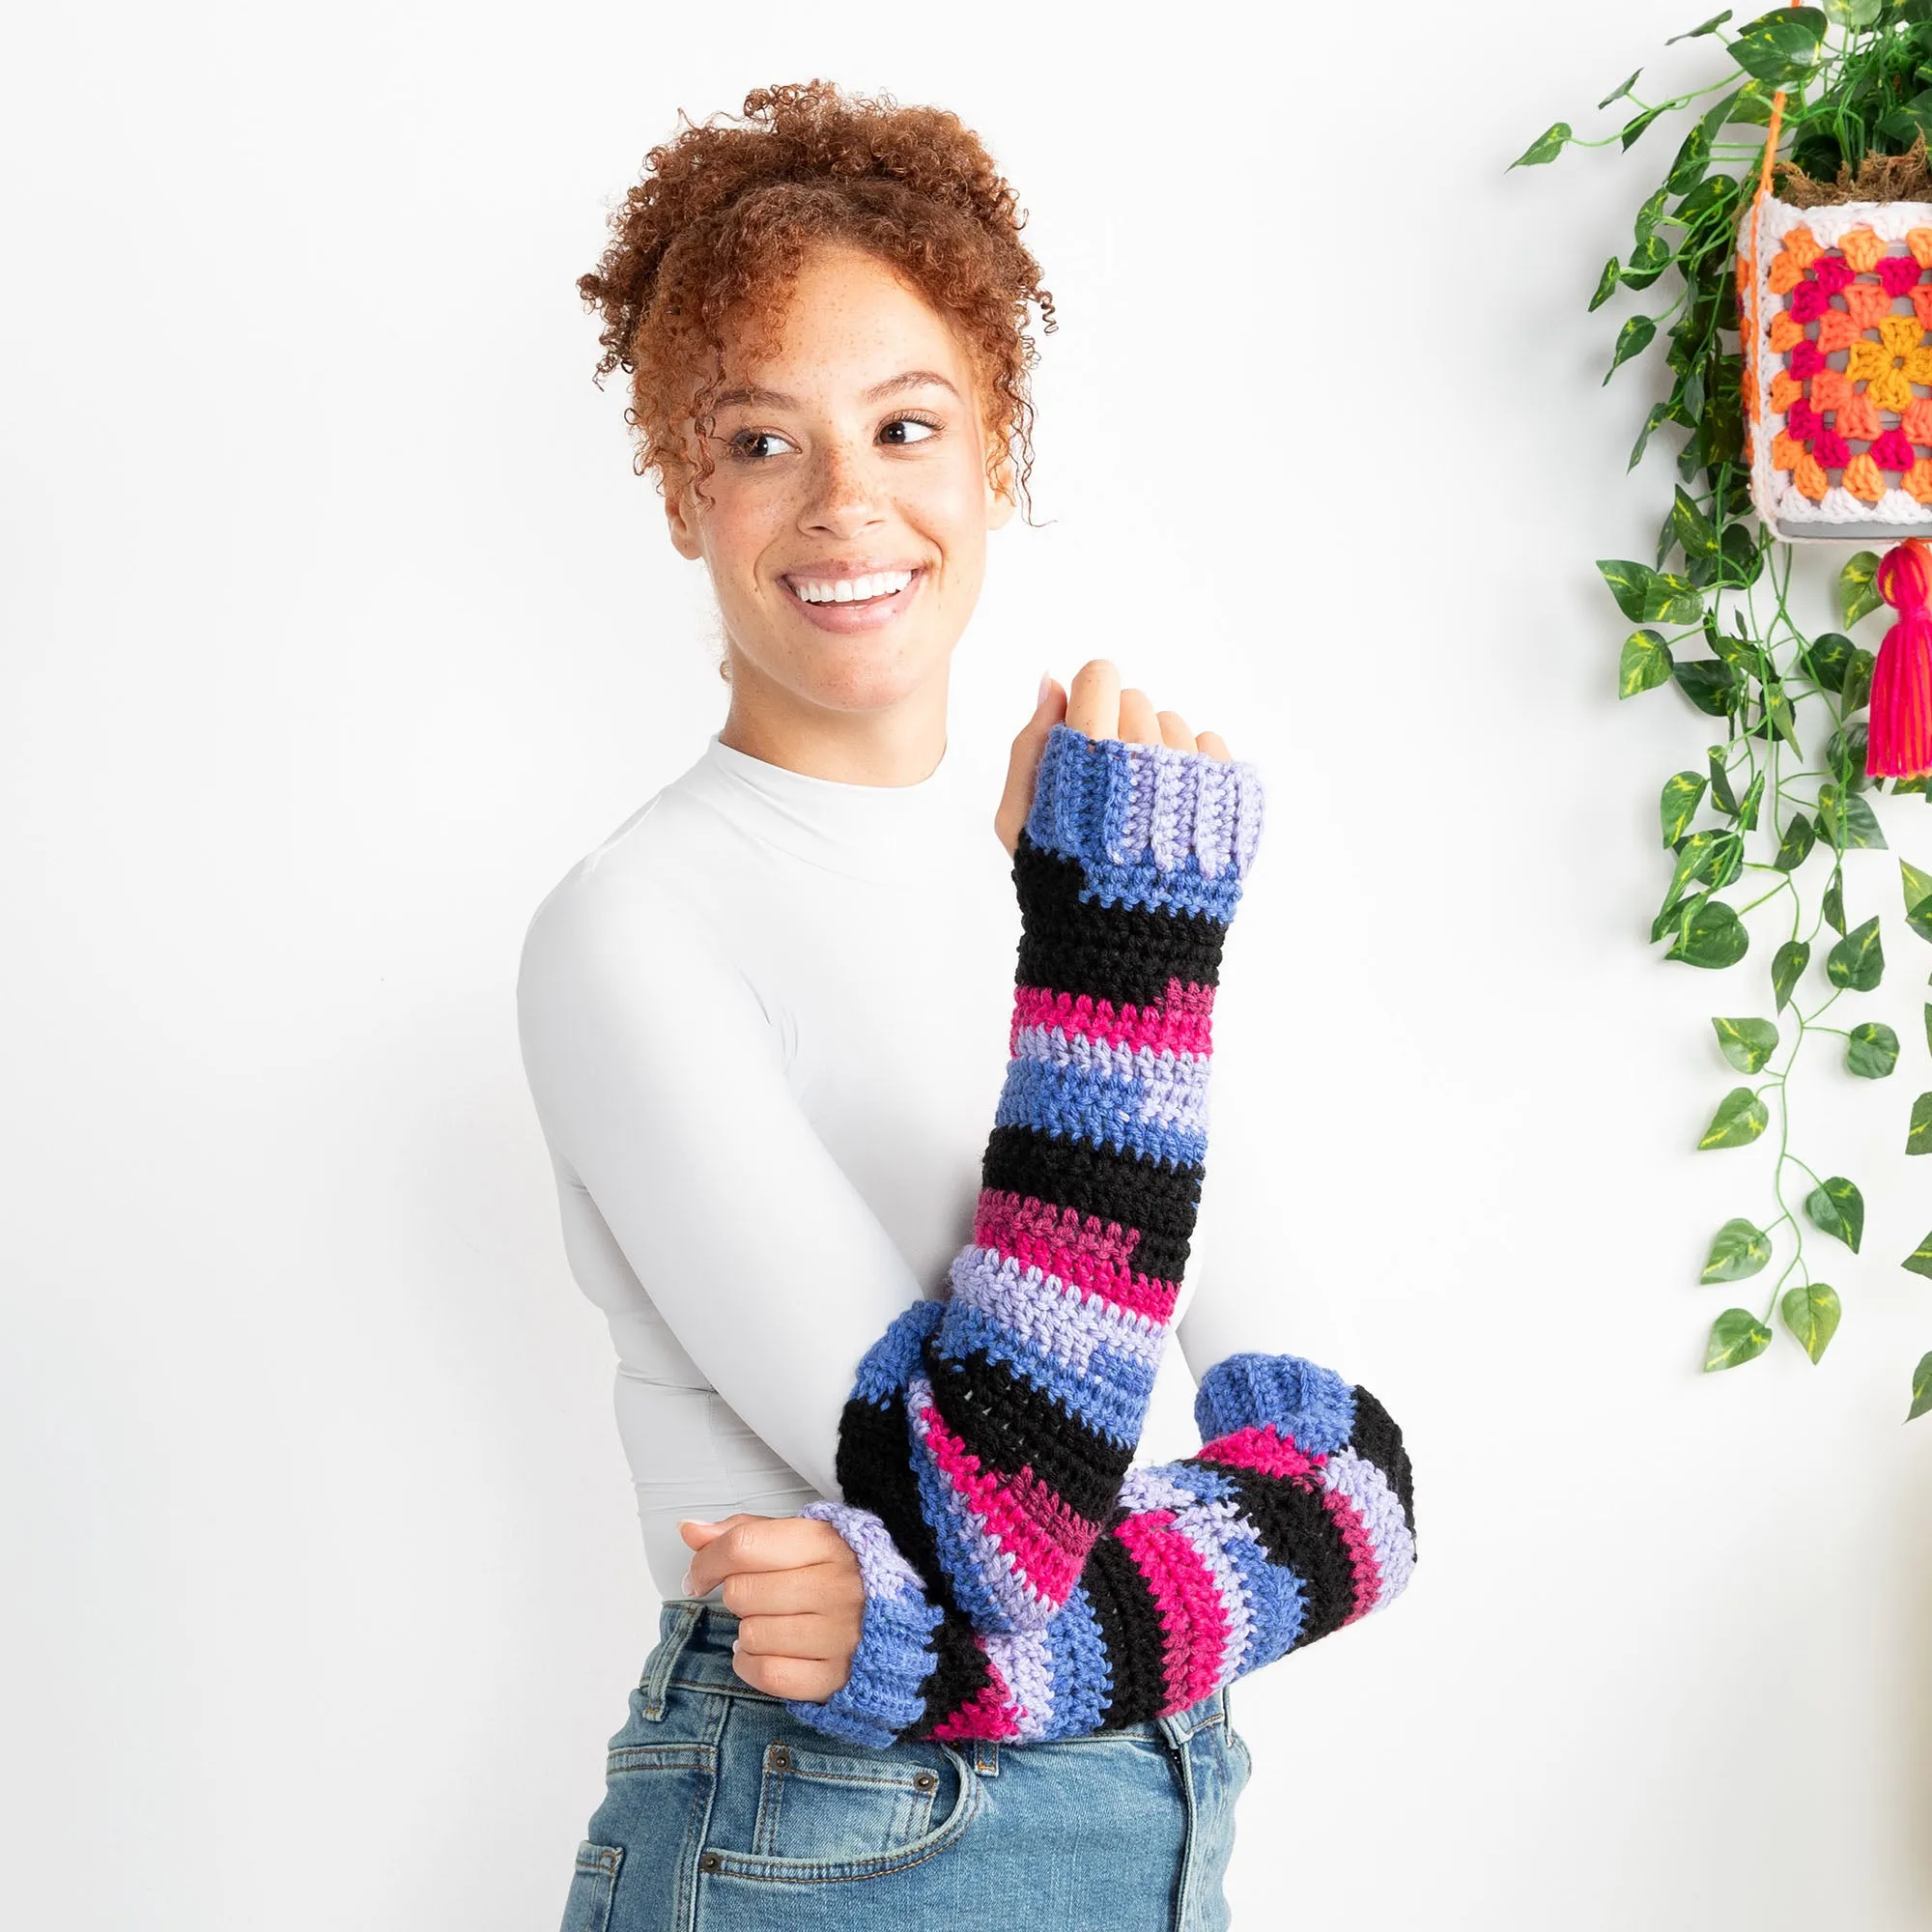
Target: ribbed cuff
(1299,1398)
(880,1700)
(1113,804)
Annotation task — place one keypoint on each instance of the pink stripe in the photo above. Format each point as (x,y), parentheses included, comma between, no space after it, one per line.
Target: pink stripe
(988,1713)
(1190,1602)
(1182,1022)
(1263,1449)
(1361,1549)
(1048,1543)
(1073,1247)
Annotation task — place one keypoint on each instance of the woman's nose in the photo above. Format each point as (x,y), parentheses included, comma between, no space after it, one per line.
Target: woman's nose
(845,496)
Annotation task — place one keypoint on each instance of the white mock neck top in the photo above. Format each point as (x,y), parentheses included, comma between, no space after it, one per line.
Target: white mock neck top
(765,1028)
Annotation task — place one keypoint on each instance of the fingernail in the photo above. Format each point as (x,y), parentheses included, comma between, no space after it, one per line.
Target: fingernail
(689,1586)
(1046,685)
(693,1523)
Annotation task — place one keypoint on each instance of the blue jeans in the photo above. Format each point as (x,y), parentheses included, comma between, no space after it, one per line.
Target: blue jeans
(724,1813)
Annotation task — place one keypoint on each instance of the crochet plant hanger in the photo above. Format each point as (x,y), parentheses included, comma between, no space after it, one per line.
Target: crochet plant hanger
(1795,220)
(1836,332)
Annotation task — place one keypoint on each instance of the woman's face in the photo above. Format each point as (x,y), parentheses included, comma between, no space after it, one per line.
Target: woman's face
(845,527)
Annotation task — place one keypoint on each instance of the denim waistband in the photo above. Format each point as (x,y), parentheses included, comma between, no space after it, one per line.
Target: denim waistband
(694,1650)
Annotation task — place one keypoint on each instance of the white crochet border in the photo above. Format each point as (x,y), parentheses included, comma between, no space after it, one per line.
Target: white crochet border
(1785,509)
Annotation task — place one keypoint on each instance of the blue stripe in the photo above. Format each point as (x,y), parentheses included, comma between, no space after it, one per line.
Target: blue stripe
(1072,1104)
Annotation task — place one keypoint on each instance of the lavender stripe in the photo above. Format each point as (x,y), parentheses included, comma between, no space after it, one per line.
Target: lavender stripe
(1042,1310)
(1366,1485)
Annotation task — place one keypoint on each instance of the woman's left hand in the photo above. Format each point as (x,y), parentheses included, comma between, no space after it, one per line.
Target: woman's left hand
(794,1586)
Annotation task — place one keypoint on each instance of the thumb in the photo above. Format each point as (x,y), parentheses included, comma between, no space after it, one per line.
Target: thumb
(1023,767)
(698,1534)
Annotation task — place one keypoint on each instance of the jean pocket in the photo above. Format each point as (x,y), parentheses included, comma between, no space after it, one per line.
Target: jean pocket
(592,1887)
(825,1804)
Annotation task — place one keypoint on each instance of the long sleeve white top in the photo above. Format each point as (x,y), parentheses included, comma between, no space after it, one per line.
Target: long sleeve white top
(765,1026)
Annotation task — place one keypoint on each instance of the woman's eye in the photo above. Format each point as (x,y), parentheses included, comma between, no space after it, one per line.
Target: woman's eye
(909,429)
(754,445)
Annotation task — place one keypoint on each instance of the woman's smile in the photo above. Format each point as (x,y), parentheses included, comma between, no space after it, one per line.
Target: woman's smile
(852,598)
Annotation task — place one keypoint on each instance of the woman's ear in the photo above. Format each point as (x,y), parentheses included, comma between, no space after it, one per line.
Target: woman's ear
(680,513)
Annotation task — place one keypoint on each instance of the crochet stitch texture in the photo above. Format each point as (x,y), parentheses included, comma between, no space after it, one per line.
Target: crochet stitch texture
(1022,1580)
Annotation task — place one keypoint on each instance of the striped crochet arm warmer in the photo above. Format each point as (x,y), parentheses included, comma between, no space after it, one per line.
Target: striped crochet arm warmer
(1296,1518)
(988,1432)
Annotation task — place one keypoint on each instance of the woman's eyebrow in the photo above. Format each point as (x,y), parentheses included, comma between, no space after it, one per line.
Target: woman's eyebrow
(913,379)
(750,392)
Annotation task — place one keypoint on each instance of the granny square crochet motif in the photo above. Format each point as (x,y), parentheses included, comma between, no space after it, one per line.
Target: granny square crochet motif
(1842,369)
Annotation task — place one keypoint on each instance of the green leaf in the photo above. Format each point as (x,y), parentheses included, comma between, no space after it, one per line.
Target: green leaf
(1692,163)
(1712,194)
(1740,557)
(1919,1135)
(1918,898)
(1647,261)
(1650,215)
(1850,13)
(1629,582)
(1633,130)
(1721,794)
(1711,935)
(1920,1261)
(1645,664)
(1747,1044)
(1787,965)
(1858,591)
(1710,26)
(1858,680)
(1847,820)
(1858,960)
(1671,600)
(1783,720)
(1845,756)
(1741,1118)
(1546,146)
(1678,804)
(1827,658)
(1921,1388)
(1928,1028)
(1871,1050)
(1780,47)
(1811,1313)
(1747,805)
(1692,527)
(1737,1335)
(1659,413)
(1606,285)
(1633,339)
(1710,684)
(1739,1251)
(1620,93)
(1834,906)
(1838,1209)
(1795,847)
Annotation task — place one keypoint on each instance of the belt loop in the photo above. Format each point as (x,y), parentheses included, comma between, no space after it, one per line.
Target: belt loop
(986,1757)
(676,1621)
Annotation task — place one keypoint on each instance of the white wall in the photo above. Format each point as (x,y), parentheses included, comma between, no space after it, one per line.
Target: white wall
(337,626)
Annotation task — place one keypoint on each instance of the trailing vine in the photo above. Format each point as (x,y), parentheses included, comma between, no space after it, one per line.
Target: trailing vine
(1761,825)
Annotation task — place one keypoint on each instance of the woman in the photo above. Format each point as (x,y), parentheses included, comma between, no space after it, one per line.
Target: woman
(757,1021)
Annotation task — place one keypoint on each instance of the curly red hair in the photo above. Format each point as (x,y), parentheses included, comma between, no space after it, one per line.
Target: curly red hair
(714,231)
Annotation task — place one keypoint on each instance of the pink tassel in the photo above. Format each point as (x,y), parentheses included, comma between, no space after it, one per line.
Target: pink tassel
(1899,738)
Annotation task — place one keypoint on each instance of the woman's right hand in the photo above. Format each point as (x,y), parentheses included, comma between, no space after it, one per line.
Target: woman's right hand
(1097,707)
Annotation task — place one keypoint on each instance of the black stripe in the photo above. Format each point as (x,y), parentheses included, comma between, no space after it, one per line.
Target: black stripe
(1297,1533)
(1376,1439)
(875,1472)
(1134,1189)
(1118,952)
(1010,1424)
(1130,1629)
(961,1673)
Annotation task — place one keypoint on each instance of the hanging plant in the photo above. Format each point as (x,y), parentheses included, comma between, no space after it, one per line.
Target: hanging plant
(1794,224)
